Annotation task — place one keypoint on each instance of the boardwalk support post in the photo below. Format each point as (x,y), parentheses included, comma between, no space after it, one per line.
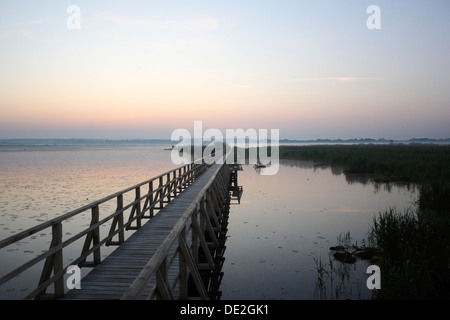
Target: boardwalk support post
(54,262)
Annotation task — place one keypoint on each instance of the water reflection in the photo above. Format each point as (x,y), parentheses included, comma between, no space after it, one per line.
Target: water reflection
(282,224)
(288,221)
(42,182)
(354,178)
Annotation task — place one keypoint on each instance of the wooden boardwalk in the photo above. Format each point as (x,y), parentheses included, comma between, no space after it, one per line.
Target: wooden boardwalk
(116,273)
(176,254)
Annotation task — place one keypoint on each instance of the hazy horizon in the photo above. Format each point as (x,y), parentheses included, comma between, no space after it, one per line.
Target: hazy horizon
(140,70)
(95,141)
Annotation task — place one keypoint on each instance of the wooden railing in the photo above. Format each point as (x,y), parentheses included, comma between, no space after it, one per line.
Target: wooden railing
(159,191)
(200,228)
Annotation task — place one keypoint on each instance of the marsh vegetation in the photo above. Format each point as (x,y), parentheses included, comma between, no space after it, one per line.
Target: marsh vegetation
(412,247)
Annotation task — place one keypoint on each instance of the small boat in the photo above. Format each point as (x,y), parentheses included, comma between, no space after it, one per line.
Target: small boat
(173,147)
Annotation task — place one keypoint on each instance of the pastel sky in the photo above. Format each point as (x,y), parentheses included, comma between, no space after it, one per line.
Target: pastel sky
(141,69)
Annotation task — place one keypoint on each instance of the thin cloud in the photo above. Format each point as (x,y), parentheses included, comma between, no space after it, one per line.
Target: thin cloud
(240,87)
(194,24)
(23,29)
(33,22)
(307,93)
(312,93)
(339,79)
(19,33)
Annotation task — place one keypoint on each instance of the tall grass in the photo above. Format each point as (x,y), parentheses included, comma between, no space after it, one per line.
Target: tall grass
(415,247)
(414,163)
(415,244)
(334,281)
(435,196)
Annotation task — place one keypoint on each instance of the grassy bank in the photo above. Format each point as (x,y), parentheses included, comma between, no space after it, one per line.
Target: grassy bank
(414,163)
(415,253)
(413,246)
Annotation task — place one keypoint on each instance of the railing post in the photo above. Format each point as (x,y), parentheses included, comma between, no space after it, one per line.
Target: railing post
(54,263)
(118,220)
(138,207)
(58,259)
(175,185)
(195,241)
(183,271)
(185,178)
(96,235)
(150,192)
(193,267)
(191,173)
(162,284)
(205,218)
(169,187)
(161,193)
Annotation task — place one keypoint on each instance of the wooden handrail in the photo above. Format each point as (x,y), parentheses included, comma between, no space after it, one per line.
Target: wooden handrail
(166,191)
(49,223)
(159,259)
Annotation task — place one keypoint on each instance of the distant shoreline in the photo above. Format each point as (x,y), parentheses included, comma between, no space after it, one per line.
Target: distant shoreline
(81,142)
(369,140)
(103,142)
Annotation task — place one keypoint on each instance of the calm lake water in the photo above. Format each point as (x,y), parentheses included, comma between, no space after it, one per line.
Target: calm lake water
(288,221)
(283,225)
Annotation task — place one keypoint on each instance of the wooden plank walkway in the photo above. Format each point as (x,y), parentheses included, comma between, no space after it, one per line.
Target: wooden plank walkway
(114,275)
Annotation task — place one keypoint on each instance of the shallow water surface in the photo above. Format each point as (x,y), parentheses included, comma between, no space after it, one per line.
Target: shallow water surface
(42,182)
(286,223)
